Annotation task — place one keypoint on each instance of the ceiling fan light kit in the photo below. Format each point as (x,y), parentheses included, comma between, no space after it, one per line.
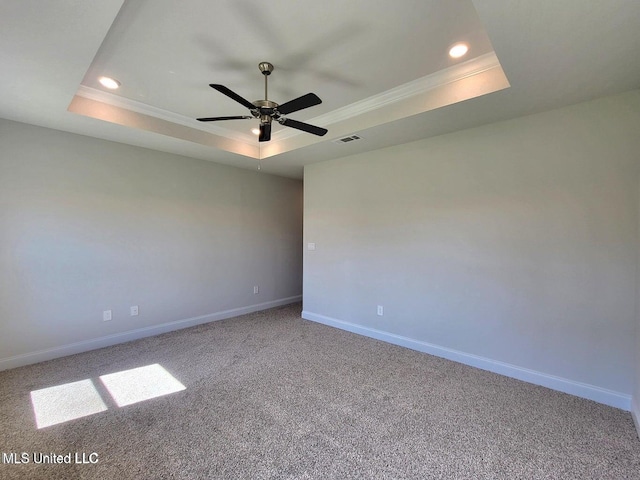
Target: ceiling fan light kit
(267,111)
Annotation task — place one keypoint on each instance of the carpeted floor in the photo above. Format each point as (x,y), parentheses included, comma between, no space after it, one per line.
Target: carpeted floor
(269,395)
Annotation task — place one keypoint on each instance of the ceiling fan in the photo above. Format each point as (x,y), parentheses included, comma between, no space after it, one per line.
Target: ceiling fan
(267,111)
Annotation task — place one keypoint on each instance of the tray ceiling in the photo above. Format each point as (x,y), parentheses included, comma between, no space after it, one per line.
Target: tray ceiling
(382,69)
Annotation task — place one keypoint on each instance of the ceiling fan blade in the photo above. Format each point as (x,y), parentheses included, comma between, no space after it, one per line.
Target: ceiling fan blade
(215,119)
(233,95)
(305,101)
(305,127)
(265,132)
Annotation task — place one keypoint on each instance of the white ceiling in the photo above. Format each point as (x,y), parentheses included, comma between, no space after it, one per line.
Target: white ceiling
(381,68)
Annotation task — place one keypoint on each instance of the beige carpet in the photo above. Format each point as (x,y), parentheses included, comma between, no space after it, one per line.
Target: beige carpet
(269,395)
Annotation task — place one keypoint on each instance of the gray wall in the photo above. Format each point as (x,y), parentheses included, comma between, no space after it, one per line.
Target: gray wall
(636,394)
(512,245)
(88,225)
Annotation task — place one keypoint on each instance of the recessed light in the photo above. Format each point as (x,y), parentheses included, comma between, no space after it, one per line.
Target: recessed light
(255,131)
(458,50)
(110,83)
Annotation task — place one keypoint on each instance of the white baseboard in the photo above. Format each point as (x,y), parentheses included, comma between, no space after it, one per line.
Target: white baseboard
(579,389)
(635,413)
(92,344)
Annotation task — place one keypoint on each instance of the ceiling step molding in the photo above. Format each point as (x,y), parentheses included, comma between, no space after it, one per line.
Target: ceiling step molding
(143,108)
(419,86)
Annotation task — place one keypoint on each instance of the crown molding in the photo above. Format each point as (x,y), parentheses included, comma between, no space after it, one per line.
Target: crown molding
(419,86)
(145,109)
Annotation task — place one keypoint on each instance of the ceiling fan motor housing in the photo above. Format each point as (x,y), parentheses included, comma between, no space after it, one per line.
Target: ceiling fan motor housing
(266,110)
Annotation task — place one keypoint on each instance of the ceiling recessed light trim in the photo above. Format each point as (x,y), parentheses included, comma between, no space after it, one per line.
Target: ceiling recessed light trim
(458,50)
(110,83)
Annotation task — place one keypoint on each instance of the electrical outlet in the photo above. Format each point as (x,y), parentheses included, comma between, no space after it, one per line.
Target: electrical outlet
(256,289)
(134,310)
(311,246)
(380,310)
(106,315)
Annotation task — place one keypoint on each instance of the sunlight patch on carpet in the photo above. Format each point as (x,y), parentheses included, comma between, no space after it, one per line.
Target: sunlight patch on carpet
(140,384)
(66,402)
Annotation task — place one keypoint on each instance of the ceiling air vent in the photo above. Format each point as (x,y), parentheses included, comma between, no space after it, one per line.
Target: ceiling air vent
(350,138)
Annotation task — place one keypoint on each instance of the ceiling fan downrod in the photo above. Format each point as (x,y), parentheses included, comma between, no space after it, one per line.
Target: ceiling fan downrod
(266,68)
